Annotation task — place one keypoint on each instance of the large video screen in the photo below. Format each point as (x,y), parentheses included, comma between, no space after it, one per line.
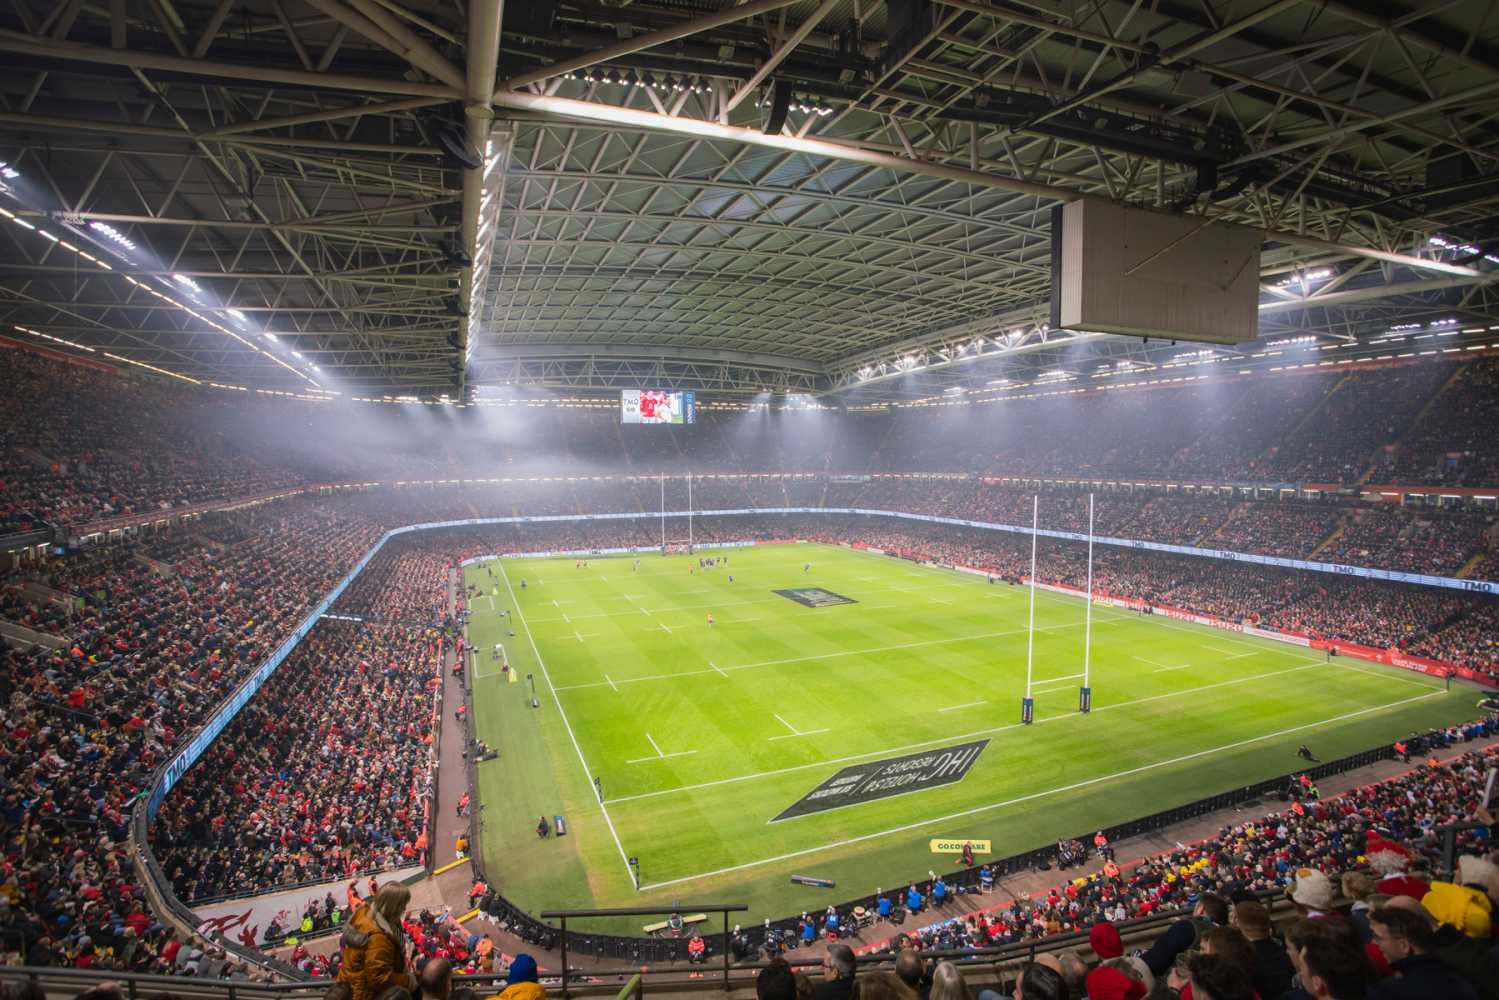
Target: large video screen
(656,406)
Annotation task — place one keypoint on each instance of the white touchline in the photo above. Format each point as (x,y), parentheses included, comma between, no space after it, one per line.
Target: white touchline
(968,704)
(1032,796)
(588,772)
(962,736)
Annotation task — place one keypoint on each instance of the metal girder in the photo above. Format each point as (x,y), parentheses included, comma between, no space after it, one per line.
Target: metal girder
(639,205)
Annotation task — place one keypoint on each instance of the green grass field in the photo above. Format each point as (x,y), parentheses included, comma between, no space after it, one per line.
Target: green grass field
(703,735)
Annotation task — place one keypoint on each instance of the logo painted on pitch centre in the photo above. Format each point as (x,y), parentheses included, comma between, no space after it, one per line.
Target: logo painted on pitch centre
(815,597)
(880,779)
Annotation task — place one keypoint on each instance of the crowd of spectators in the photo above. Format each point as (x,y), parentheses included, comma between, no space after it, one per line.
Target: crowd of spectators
(79,443)
(1340,860)
(82,443)
(145,656)
(1452,445)
(324,775)
(144,637)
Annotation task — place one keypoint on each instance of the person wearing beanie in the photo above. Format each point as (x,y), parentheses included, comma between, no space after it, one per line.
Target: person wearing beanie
(1104,939)
(520,981)
(1462,936)
(1467,910)
(1107,983)
(1311,892)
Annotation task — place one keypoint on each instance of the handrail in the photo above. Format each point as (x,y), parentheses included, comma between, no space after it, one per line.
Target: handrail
(631,990)
(647,911)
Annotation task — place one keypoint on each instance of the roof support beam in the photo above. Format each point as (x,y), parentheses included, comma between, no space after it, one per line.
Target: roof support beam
(630,117)
(483,55)
(30,45)
(647,41)
(777,57)
(1376,292)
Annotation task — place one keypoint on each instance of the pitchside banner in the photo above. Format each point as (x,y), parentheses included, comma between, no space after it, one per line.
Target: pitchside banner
(880,779)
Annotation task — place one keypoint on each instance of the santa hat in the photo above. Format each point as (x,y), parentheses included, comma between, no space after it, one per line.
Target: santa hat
(1385,856)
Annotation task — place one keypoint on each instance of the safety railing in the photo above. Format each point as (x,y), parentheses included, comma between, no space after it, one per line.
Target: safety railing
(724,909)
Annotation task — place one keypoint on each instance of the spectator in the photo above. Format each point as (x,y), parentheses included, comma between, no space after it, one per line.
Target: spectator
(1212,977)
(883,985)
(1210,910)
(1036,982)
(838,968)
(1334,971)
(775,982)
(912,971)
(1110,982)
(1407,941)
(1272,970)
(520,981)
(947,983)
(435,981)
(373,947)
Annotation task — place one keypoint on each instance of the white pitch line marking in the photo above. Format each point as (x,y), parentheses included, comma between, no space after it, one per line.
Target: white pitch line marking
(956,708)
(611,682)
(974,734)
(667,627)
(562,713)
(1032,796)
(566,619)
(659,754)
(826,656)
(580,636)
(1220,649)
(664,756)
(1162,670)
(794,731)
(1153,663)
(716,667)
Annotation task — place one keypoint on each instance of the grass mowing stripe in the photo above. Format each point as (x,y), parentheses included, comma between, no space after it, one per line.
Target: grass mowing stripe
(562,713)
(863,838)
(962,736)
(815,656)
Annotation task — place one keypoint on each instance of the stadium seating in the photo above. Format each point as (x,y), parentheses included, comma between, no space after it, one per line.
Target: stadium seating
(139,639)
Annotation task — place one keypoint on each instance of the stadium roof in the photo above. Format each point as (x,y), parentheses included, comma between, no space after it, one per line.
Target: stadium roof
(278,191)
